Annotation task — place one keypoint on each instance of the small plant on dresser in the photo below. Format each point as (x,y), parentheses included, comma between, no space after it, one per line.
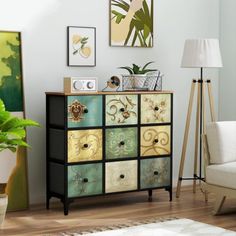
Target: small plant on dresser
(106,143)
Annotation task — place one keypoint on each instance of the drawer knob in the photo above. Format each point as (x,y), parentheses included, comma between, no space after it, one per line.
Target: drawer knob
(86,145)
(156,140)
(122,176)
(122,143)
(156,108)
(85,110)
(155,173)
(122,109)
(85,180)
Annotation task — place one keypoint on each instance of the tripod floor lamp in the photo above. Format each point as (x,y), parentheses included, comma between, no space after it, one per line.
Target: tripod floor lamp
(198,53)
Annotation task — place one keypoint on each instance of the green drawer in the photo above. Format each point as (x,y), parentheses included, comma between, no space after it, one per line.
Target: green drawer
(155,173)
(121,143)
(84,111)
(156,108)
(85,180)
(121,109)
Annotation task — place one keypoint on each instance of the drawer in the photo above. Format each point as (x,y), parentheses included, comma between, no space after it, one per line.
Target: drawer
(84,111)
(155,140)
(155,173)
(121,143)
(121,109)
(84,180)
(121,176)
(84,145)
(156,108)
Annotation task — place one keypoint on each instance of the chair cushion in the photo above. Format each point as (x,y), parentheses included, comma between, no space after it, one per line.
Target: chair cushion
(221,138)
(222,175)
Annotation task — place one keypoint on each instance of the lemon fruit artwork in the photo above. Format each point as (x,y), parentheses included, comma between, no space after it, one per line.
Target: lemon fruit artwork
(80,46)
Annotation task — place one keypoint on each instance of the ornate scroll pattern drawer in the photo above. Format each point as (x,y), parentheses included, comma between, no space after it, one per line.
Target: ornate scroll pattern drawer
(121,143)
(155,173)
(121,176)
(156,108)
(84,111)
(84,145)
(155,140)
(84,180)
(121,109)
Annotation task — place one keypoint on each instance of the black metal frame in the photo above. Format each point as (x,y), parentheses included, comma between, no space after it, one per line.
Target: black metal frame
(64,197)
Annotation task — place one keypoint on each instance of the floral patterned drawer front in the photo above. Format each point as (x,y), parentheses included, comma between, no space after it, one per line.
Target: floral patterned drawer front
(155,140)
(121,143)
(84,180)
(121,176)
(156,108)
(84,111)
(84,145)
(155,173)
(121,109)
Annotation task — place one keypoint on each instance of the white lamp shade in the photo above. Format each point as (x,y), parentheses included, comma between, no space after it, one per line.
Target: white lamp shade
(201,53)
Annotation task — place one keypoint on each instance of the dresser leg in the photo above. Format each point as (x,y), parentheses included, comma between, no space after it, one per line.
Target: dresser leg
(150,195)
(169,189)
(47,202)
(66,207)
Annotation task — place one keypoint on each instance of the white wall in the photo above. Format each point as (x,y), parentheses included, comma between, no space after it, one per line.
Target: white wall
(227,109)
(43,24)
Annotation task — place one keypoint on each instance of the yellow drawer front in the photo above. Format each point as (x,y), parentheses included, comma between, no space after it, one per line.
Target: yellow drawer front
(156,108)
(121,176)
(84,145)
(155,140)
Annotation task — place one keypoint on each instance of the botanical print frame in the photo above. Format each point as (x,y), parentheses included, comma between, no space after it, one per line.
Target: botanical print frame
(13,166)
(81,46)
(131,23)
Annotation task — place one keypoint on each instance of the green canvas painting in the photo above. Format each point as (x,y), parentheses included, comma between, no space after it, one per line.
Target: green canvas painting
(131,23)
(11,91)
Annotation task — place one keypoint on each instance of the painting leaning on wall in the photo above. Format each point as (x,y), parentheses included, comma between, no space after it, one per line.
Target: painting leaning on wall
(131,23)
(13,170)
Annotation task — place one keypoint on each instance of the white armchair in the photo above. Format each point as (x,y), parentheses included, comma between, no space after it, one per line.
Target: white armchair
(220,161)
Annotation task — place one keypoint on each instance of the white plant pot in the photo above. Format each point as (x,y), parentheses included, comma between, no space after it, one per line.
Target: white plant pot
(3,207)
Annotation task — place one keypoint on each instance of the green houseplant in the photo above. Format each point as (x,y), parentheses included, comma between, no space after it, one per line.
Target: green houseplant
(137,75)
(12,136)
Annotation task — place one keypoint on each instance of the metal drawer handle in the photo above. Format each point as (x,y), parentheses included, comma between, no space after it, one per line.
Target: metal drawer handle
(85,180)
(156,173)
(156,140)
(122,176)
(85,110)
(156,108)
(122,143)
(122,109)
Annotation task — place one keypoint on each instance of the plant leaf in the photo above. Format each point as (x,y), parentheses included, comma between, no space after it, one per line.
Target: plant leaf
(2,106)
(136,69)
(129,69)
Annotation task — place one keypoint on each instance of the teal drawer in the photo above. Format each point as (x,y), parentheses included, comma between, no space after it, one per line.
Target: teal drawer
(85,180)
(84,111)
(155,173)
(121,143)
(121,109)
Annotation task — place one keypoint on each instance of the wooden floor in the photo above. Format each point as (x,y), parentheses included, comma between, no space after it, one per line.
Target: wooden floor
(116,209)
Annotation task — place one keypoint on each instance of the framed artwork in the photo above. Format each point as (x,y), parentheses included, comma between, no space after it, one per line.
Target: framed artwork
(13,166)
(131,23)
(81,43)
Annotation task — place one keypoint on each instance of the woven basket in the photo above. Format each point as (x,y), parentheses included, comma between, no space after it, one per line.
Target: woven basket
(3,207)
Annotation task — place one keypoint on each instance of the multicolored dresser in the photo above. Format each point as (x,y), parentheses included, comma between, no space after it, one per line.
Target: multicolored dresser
(108,142)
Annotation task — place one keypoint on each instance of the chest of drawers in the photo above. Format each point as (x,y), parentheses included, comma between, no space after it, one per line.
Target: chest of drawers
(106,143)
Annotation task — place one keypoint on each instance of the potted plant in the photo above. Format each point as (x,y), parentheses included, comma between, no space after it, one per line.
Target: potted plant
(12,136)
(137,76)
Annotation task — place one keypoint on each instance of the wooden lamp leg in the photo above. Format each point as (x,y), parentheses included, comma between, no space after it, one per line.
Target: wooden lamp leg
(196,138)
(185,141)
(212,108)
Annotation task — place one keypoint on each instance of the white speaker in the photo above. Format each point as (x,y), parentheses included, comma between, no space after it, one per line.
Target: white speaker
(80,84)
